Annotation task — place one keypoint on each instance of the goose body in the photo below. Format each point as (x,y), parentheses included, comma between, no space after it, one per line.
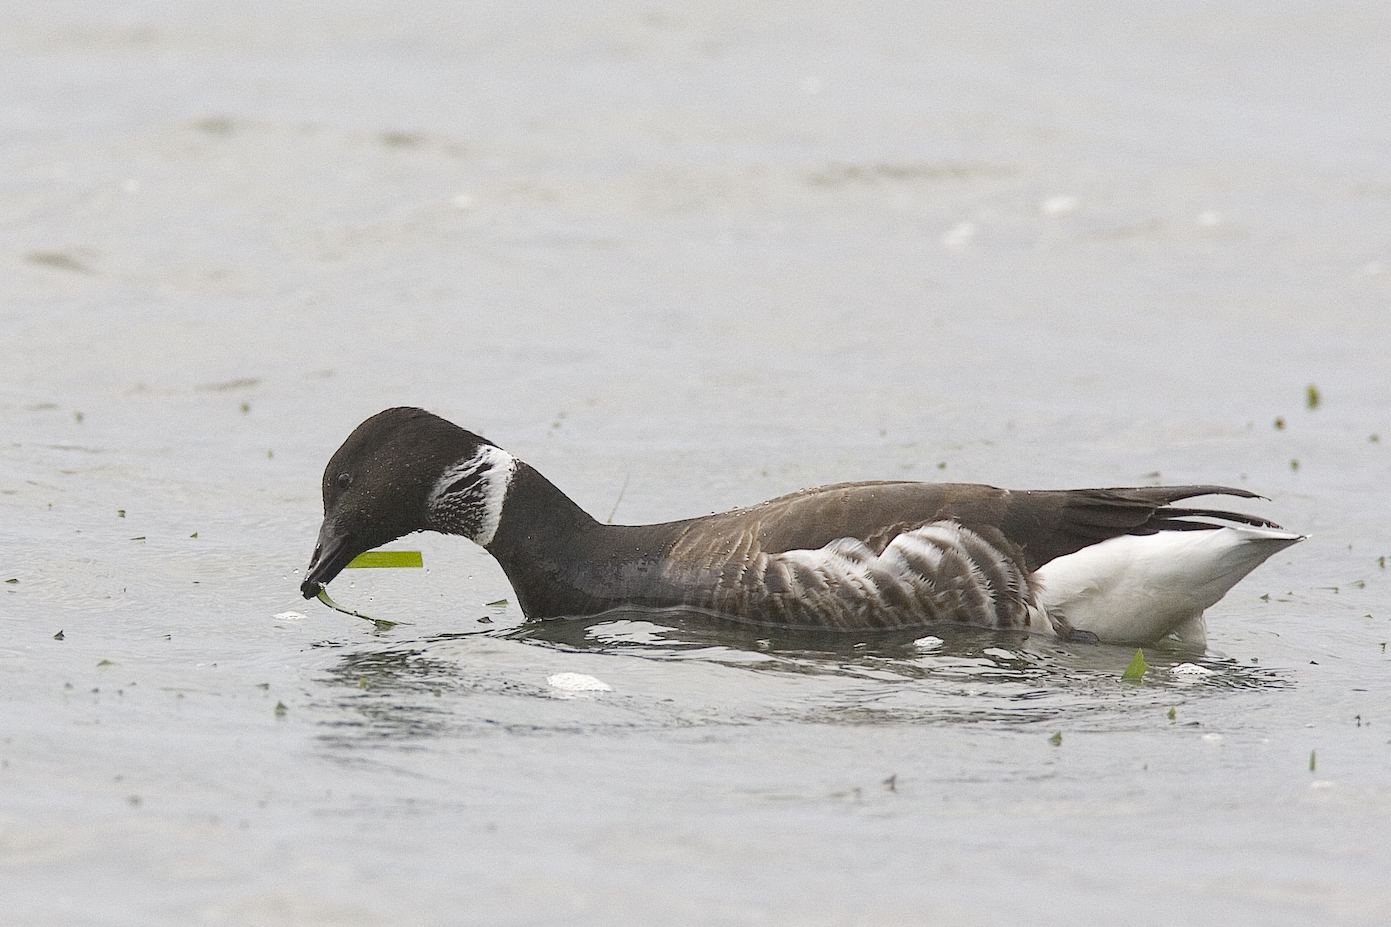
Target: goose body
(1095,564)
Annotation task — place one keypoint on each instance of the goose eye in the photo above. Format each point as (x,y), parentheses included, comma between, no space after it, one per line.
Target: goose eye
(345,480)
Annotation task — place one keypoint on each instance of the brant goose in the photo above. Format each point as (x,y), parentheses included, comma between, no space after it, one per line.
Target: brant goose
(1123,565)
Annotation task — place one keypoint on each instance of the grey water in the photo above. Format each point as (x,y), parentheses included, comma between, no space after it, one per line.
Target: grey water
(680,258)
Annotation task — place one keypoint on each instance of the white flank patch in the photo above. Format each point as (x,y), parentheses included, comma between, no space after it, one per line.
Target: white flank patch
(911,562)
(1139,588)
(495,468)
(289,616)
(571,684)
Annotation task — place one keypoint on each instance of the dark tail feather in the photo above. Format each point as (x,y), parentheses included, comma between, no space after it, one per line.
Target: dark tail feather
(1169,518)
(1073,519)
(1167,495)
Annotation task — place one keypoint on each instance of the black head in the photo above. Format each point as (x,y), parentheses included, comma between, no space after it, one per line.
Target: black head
(377,486)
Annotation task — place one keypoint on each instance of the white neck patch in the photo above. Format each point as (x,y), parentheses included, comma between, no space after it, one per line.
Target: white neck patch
(467,499)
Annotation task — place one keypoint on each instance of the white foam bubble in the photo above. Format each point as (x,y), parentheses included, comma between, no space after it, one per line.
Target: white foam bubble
(1191,669)
(577,682)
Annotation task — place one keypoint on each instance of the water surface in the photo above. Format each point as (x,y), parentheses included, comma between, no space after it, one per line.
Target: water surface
(682,258)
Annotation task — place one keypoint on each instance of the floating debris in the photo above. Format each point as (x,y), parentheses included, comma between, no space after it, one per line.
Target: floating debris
(1137,668)
(58,636)
(1313,760)
(1279,423)
(1311,396)
(280,709)
(1057,739)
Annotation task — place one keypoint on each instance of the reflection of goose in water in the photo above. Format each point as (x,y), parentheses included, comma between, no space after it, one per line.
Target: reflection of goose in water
(1107,564)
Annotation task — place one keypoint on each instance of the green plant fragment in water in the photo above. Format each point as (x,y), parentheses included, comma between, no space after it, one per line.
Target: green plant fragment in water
(1172,713)
(498,602)
(280,709)
(1136,670)
(1057,739)
(373,559)
(1313,760)
(1311,396)
(381,623)
(106,663)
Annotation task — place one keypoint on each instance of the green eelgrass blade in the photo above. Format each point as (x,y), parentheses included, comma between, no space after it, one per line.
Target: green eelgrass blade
(386,558)
(379,622)
(1136,670)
